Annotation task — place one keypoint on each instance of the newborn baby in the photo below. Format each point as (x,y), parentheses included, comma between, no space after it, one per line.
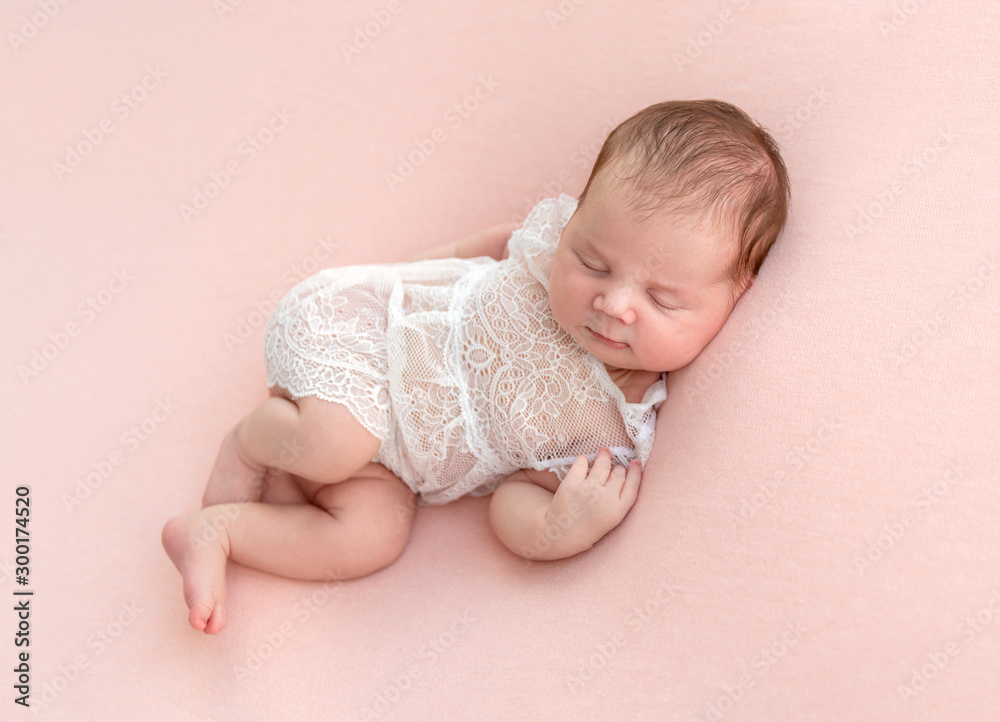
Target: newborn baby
(529,366)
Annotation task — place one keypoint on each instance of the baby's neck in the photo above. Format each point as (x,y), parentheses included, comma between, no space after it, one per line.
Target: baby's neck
(632,382)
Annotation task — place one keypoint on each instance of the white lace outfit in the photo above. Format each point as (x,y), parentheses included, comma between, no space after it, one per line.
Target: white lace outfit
(458,366)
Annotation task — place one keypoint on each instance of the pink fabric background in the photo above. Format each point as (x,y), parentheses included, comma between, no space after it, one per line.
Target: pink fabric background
(820,425)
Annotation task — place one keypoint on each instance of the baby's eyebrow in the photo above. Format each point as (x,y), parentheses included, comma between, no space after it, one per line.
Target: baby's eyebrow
(586,244)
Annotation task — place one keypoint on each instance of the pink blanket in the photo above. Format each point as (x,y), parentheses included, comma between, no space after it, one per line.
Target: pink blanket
(816,533)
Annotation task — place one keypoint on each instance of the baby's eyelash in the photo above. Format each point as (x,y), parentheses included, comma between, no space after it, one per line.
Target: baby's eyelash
(589,267)
(664,307)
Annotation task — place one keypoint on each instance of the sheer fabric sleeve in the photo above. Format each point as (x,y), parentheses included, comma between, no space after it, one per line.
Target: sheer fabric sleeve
(534,244)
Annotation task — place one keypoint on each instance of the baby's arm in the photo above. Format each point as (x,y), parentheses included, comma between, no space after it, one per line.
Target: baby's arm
(536,523)
(517,514)
(490,242)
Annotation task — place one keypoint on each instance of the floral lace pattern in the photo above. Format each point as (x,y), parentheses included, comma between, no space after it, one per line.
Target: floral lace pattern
(458,365)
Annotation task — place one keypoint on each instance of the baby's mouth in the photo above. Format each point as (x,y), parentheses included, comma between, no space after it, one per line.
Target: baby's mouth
(605,339)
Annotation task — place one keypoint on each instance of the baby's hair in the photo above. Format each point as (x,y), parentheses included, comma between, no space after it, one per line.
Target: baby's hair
(690,154)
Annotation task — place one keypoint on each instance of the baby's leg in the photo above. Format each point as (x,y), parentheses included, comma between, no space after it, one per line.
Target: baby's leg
(351,529)
(309,437)
(233,477)
(357,521)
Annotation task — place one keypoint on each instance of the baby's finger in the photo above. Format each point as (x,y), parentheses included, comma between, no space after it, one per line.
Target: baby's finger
(602,465)
(616,477)
(630,489)
(578,471)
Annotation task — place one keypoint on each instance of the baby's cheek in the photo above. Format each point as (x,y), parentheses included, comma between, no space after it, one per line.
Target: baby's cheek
(554,292)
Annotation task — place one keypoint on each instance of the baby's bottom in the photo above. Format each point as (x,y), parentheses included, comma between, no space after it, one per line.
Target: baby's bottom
(293,492)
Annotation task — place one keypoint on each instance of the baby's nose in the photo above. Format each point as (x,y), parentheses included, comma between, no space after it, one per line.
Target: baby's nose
(618,303)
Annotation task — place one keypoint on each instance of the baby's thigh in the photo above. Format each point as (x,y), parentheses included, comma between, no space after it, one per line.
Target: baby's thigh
(329,445)
(375,511)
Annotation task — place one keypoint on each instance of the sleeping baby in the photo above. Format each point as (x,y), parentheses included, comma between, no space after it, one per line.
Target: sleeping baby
(528,365)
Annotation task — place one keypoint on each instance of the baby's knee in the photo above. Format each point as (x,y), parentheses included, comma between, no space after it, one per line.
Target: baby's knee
(390,544)
(381,540)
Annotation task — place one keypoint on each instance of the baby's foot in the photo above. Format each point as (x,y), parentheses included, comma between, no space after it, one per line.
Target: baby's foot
(234,477)
(199,551)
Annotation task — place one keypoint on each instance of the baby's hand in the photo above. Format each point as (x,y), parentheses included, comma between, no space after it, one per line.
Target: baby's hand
(586,506)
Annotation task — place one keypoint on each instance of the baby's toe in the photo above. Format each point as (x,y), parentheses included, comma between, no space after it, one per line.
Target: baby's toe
(217,621)
(201,613)
(207,615)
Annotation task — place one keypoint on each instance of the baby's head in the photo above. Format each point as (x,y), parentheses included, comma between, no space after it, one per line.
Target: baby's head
(683,204)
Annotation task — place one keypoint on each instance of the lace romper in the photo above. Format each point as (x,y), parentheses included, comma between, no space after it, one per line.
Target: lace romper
(458,366)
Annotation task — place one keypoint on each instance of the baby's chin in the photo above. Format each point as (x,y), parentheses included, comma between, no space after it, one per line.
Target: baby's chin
(626,360)
(610,357)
